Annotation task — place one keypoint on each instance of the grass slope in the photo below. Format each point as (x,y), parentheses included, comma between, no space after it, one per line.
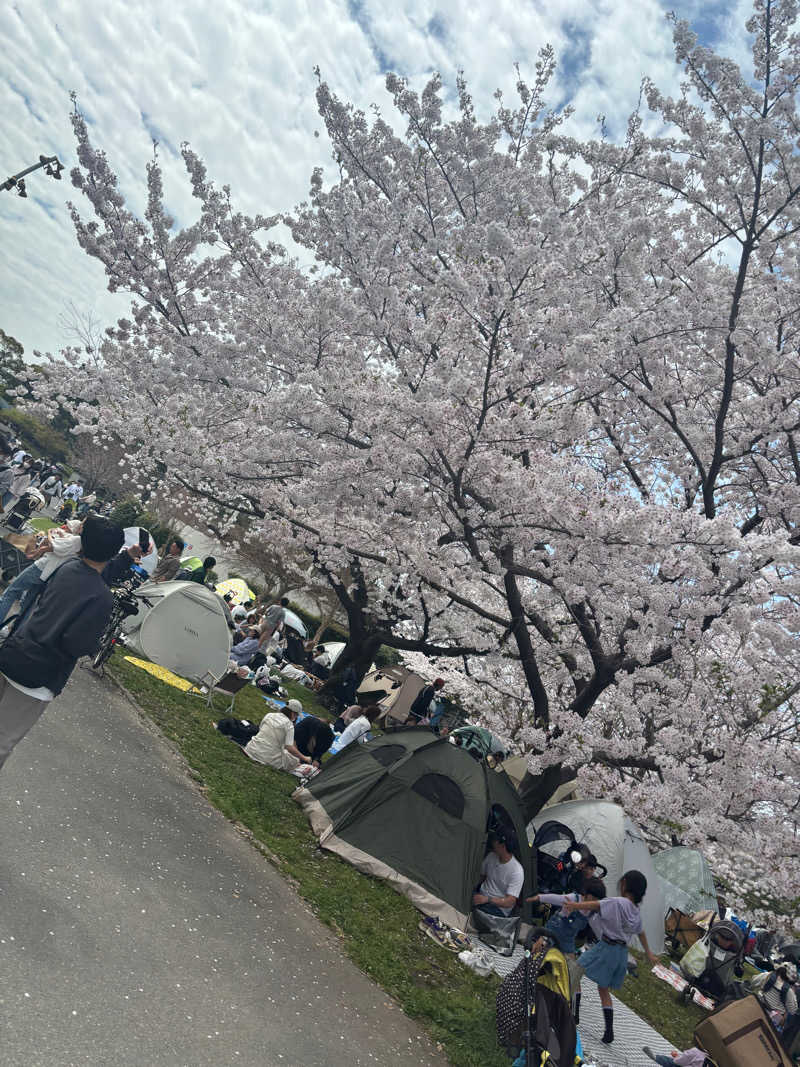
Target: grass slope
(378,928)
(658,1004)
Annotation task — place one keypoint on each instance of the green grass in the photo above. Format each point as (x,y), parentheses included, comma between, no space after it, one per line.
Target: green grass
(43,524)
(377,927)
(659,1004)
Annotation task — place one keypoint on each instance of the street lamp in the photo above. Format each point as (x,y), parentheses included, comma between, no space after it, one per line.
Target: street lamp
(51,165)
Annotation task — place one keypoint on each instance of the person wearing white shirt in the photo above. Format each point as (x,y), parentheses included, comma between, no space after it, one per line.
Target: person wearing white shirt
(59,545)
(274,745)
(503,877)
(52,488)
(358,729)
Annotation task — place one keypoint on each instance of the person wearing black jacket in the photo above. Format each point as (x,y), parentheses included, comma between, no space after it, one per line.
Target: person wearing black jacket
(66,623)
(119,568)
(422,702)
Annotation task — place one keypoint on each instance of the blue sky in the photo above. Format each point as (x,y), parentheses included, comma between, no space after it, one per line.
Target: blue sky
(235,79)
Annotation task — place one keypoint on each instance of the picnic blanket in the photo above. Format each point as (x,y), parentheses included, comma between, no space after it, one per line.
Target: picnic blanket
(680,983)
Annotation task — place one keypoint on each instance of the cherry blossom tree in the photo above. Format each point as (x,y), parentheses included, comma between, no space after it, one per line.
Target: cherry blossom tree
(540,404)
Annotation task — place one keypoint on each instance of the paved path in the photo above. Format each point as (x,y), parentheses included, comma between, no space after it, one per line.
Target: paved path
(137,927)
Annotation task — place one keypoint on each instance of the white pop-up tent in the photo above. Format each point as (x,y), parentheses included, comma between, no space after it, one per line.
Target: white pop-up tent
(132,537)
(686,880)
(181,626)
(618,844)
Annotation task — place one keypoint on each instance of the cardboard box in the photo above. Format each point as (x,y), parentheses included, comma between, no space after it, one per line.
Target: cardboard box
(740,1034)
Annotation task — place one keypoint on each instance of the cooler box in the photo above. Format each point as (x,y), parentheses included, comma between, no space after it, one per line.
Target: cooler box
(741,1035)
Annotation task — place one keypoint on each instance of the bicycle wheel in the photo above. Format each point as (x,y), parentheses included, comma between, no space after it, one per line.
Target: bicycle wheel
(104,652)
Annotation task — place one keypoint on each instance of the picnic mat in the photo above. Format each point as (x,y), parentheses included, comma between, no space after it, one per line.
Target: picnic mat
(163,674)
(678,982)
(630,1032)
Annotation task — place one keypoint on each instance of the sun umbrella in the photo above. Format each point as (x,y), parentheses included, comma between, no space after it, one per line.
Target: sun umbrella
(242,592)
(295,622)
(148,562)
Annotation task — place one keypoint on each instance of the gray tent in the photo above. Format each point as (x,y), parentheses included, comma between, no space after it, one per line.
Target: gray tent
(414,810)
(686,880)
(618,844)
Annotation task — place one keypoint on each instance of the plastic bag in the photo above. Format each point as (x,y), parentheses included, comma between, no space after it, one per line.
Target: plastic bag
(498,932)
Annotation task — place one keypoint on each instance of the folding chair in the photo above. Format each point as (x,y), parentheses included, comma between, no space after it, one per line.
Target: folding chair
(229,683)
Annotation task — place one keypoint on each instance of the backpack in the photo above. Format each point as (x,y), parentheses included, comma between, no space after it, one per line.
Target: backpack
(238,730)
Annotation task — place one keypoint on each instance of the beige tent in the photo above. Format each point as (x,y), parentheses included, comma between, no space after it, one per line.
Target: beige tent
(516,768)
(393,689)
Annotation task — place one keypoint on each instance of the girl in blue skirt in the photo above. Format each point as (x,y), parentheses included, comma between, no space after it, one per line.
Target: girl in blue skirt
(617,920)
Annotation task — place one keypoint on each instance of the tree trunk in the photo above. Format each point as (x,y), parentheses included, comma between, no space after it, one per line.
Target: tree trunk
(359,652)
(536,789)
(324,623)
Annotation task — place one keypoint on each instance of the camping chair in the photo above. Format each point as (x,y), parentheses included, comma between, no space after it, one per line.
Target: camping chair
(230,684)
(682,931)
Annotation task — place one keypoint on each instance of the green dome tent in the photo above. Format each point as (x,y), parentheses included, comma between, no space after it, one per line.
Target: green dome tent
(686,880)
(414,810)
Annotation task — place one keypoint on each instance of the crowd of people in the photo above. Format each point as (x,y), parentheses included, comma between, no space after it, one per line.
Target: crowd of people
(289,739)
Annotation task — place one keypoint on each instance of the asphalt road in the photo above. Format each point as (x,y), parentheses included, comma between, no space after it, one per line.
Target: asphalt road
(138,927)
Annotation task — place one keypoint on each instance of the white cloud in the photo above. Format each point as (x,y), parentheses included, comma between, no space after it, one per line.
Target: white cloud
(235,79)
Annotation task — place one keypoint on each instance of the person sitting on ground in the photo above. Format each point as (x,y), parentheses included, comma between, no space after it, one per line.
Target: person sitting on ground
(274,745)
(239,614)
(200,575)
(320,665)
(502,876)
(422,702)
(86,505)
(691,1057)
(273,618)
(74,491)
(358,729)
(348,715)
(313,737)
(775,990)
(243,652)
(59,545)
(170,562)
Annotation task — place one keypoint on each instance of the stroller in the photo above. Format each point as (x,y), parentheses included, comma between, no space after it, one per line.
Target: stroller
(30,501)
(532,1006)
(714,963)
(682,930)
(557,872)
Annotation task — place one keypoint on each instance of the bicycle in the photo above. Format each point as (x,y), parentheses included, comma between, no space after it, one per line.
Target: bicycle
(125,605)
